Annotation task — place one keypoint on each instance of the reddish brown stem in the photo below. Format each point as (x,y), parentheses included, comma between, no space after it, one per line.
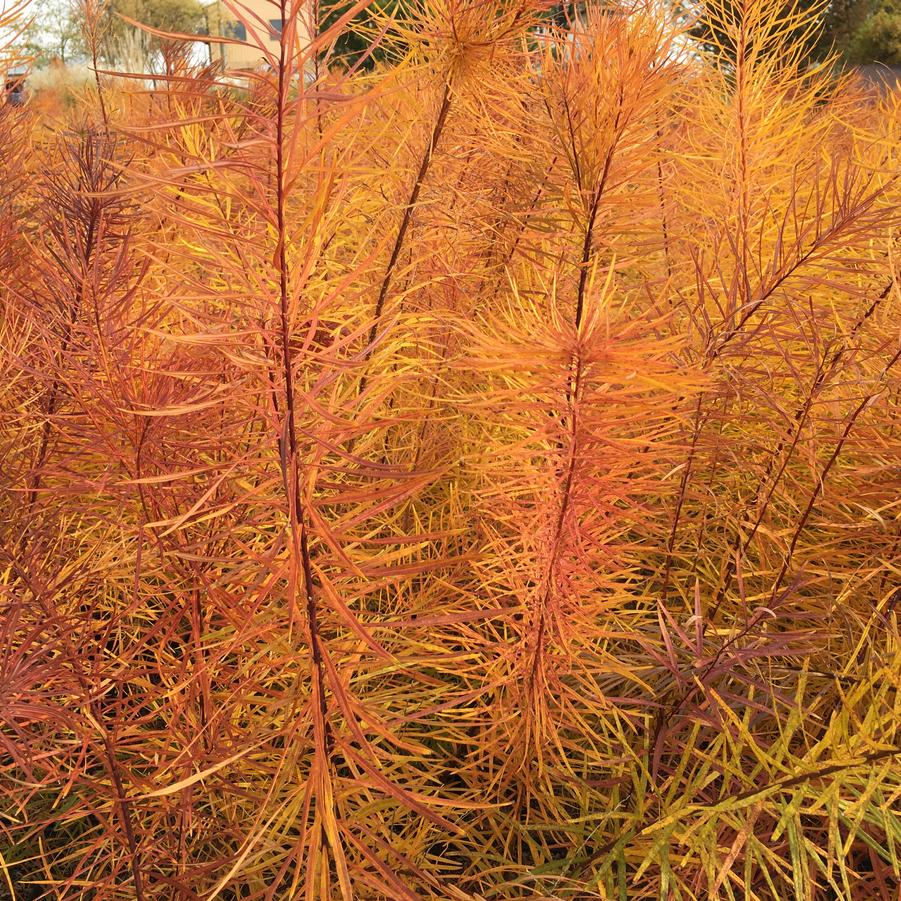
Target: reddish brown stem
(437,129)
(291,464)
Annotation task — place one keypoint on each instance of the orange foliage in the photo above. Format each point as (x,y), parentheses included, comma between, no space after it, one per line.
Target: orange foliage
(477,477)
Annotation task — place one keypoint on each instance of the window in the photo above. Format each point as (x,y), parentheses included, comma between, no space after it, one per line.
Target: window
(236,30)
(275,29)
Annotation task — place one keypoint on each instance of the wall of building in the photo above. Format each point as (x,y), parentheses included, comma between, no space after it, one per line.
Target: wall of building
(222,23)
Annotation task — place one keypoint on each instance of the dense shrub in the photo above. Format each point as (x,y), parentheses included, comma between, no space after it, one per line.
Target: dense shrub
(477,477)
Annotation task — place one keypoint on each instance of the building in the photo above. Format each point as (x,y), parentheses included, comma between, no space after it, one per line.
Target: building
(221,22)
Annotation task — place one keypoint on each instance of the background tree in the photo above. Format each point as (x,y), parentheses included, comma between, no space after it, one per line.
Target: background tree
(361,32)
(878,36)
(133,48)
(712,25)
(54,32)
(860,31)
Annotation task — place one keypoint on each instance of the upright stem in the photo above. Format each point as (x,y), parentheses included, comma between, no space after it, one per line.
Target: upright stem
(124,812)
(56,384)
(573,396)
(662,199)
(291,469)
(588,242)
(741,63)
(437,129)
(585,261)
(699,420)
(818,488)
(92,12)
(103,110)
(824,373)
